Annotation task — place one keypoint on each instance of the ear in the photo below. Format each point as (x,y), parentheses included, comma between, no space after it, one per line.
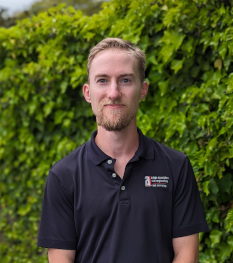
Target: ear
(86,93)
(144,90)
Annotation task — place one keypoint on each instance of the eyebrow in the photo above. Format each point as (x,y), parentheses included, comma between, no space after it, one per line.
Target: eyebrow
(101,76)
(122,75)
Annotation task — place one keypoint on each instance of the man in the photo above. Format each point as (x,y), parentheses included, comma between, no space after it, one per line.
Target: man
(121,197)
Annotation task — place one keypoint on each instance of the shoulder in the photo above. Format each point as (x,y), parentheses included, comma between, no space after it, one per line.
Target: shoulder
(166,151)
(62,176)
(70,163)
(169,159)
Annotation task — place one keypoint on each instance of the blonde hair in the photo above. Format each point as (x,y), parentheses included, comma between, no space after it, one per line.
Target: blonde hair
(119,43)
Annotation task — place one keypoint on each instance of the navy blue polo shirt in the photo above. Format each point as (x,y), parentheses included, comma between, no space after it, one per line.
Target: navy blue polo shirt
(87,207)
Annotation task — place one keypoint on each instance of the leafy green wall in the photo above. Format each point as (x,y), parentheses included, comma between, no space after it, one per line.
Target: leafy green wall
(189,48)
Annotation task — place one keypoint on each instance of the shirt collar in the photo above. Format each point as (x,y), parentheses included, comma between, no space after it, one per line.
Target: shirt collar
(145,149)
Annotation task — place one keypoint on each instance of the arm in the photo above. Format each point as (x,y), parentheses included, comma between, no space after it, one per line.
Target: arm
(186,249)
(61,255)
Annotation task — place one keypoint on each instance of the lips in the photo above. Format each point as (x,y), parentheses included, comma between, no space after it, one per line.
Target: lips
(114,105)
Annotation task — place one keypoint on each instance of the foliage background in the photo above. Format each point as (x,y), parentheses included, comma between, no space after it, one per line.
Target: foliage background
(88,7)
(43,115)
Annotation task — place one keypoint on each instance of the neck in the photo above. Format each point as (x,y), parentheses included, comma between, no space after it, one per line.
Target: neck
(118,144)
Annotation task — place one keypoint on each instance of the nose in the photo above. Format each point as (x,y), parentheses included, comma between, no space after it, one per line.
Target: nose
(114,92)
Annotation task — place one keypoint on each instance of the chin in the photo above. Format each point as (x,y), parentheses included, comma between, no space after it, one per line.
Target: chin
(110,126)
(115,129)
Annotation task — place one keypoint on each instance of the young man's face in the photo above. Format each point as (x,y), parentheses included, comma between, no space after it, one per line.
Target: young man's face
(114,89)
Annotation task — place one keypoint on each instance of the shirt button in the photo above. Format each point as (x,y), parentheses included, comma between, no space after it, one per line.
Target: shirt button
(123,188)
(109,162)
(114,175)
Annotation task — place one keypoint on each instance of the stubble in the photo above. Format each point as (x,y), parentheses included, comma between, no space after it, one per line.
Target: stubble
(114,119)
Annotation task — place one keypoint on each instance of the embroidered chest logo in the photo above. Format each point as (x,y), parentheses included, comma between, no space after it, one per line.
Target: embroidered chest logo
(156,181)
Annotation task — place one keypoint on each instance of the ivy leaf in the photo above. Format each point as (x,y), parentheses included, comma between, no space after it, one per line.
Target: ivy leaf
(176,65)
(213,186)
(229,221)
(218,63)
(215,237)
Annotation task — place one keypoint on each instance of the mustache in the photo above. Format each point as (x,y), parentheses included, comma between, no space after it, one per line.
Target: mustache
(111,102)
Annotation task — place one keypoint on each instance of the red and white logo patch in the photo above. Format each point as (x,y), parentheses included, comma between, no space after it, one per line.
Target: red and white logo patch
(148,181)
(156,181)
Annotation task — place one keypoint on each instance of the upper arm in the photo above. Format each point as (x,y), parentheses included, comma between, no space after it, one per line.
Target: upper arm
(61,255)
(186,249)
(57,225)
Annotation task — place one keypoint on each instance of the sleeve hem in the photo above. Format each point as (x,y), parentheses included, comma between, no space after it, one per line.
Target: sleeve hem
(190,230)
(48,243)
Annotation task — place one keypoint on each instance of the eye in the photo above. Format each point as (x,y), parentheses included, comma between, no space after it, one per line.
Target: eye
(101,80)
(125,81)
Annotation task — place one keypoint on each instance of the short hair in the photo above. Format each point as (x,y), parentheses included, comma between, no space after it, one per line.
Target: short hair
(118,43)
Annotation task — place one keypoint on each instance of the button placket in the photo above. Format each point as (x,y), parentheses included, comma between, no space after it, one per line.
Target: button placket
(109,166)
(122,188)
(109,161)
(124,198)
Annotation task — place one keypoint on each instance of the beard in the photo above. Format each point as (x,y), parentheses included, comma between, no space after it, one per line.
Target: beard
(114,119)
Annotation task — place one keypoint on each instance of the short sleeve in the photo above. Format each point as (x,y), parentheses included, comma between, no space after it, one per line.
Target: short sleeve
(188,213)
(57,228)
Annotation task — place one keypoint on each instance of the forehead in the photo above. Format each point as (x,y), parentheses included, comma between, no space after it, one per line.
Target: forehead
(114,61)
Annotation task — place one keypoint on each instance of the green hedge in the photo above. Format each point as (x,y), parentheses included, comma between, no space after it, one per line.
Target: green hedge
(189,48)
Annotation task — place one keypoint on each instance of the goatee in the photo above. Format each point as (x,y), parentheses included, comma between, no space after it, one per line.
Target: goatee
(114,119)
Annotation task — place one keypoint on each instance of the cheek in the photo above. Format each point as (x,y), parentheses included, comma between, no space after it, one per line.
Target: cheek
(136,100)
(97,94)
(94,109)
(136,97)
(95,103)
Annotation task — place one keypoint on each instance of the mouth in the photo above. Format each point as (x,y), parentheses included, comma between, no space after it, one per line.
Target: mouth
(114,106)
